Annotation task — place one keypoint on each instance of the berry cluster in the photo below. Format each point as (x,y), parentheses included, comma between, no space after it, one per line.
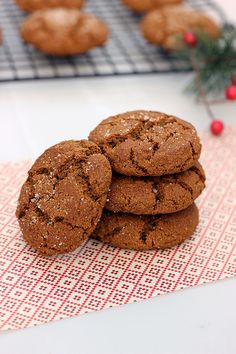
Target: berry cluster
(216,126)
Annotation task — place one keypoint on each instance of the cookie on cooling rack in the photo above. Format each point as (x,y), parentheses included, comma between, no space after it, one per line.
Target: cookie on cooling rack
(147,143)
(34,5)
(155,195)
(62,199)
(146,232)
(62,31)
(165,26)
(148,5)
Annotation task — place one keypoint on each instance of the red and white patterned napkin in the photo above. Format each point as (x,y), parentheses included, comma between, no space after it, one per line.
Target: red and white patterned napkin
(36,290)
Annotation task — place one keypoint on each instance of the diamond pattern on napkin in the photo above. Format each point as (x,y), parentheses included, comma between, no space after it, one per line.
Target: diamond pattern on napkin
(35,290)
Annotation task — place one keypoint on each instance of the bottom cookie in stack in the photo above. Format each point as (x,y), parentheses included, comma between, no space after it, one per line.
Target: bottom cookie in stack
(146,232)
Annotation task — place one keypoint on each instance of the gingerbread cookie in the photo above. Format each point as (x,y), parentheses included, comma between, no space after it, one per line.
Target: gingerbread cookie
(62,199)
(146,143)
(166,26)
(148,5)
(146,232)
(155,195)
(34,5)
(63,31)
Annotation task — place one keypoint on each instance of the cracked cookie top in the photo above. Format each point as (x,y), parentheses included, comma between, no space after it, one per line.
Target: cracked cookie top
(145,232)
(146,143)
(62,199)
(165,26)
(63,31)
(155,195)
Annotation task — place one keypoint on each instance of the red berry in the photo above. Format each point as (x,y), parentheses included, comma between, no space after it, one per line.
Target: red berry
(230,92)
(217,127)
(190,39)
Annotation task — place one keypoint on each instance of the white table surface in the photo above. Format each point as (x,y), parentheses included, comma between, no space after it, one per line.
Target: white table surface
(35,115)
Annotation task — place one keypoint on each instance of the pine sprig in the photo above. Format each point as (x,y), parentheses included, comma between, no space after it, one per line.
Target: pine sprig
(215,58)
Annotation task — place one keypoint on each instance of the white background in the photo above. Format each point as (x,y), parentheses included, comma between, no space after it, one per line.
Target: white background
(198,320)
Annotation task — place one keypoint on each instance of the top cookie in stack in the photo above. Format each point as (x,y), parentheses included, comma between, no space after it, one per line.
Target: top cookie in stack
(154,157)
(146,143)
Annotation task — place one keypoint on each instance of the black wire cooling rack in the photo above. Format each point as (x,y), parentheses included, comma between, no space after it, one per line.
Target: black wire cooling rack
(126,52)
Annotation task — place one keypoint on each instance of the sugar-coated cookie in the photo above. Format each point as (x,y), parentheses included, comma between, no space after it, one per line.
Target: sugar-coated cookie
(155,195)
(62,199)
(146,143)
(62,31)
(146,232)
(166,26)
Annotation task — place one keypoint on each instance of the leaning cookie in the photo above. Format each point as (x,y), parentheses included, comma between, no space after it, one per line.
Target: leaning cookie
(155,195)
(34,5)
(146,143)
(148,5)
(165,27)
(146,232)
(62,199)
(63,31)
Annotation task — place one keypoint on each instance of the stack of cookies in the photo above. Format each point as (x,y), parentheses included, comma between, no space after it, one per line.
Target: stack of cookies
(70,193)
(156,179)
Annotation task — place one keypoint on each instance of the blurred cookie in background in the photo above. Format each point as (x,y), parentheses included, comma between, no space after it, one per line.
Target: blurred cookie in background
(164,27)
(62,31)
(34,5)
(148,5)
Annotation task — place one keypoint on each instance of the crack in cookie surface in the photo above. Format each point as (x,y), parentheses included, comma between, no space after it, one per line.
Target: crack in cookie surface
(146,143)
(145,232)
(154,195)
(60,196)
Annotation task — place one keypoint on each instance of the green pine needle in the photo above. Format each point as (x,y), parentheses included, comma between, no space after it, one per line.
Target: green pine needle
(216,60)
